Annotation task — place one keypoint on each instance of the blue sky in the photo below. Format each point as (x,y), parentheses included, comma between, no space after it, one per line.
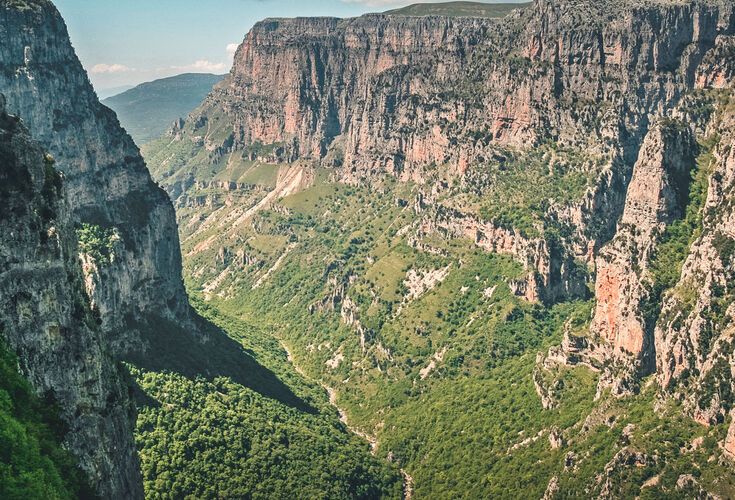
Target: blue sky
(126,42)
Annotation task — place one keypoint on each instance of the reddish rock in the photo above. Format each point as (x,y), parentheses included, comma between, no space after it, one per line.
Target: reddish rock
(654,198)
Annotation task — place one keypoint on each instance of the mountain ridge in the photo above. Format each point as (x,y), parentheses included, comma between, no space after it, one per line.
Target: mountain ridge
(147,110)
(458,9)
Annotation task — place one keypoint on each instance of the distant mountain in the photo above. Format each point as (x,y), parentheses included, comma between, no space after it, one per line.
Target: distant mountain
(148,109)
(458,9)
(112,91)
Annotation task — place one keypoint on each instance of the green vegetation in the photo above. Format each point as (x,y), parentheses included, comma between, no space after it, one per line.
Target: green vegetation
(522,188)
(215,439)
(419,333)
(458,9)
(96,242)
(443,379)
(173,161)
(32,462)
(149,109)
(486,336)
(246,435)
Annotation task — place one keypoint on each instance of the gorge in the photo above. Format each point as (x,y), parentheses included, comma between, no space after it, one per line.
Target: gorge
(501,237)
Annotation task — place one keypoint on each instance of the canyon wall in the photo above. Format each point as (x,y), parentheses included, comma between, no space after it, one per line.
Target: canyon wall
(396,94)
(72,324)
(403,96)
(45,316)
(656,196)
(46,86)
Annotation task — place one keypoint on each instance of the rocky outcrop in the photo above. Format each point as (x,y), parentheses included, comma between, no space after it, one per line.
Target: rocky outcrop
(656,196)
(45,317)
(551,274)
(729,444)
(626,458)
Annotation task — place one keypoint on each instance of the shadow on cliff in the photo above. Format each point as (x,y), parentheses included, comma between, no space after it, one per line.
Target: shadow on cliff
(210,353)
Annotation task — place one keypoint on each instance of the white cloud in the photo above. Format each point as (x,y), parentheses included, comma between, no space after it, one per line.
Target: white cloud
(202,66)
(110,69)
(231,49)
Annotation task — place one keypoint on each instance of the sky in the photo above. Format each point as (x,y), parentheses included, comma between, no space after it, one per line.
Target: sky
(126,42)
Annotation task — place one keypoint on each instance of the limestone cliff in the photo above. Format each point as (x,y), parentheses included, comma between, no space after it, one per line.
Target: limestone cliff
(130,284)
(695,353)
(46,86)
(388,91)
(656,196)
(46,319)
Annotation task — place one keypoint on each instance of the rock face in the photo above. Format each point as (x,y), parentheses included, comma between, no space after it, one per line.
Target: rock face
(385,92)
(47,87)
(550,271)
(656,196)
(106,187)
(695,349)
(45,317)
(729,444)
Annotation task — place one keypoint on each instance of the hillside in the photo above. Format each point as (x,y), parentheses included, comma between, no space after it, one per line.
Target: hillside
(147,110)
(483,235)
(458,9)
(34,461)
(403,256)
(113,91)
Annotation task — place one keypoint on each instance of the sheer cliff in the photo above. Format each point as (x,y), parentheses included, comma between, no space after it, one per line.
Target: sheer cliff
(46,86)
(46,319)
(70,322)
(400,93)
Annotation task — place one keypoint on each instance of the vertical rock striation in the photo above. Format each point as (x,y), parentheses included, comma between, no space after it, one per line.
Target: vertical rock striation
(695,339)
(106,187)
(47,87)
(388,93)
